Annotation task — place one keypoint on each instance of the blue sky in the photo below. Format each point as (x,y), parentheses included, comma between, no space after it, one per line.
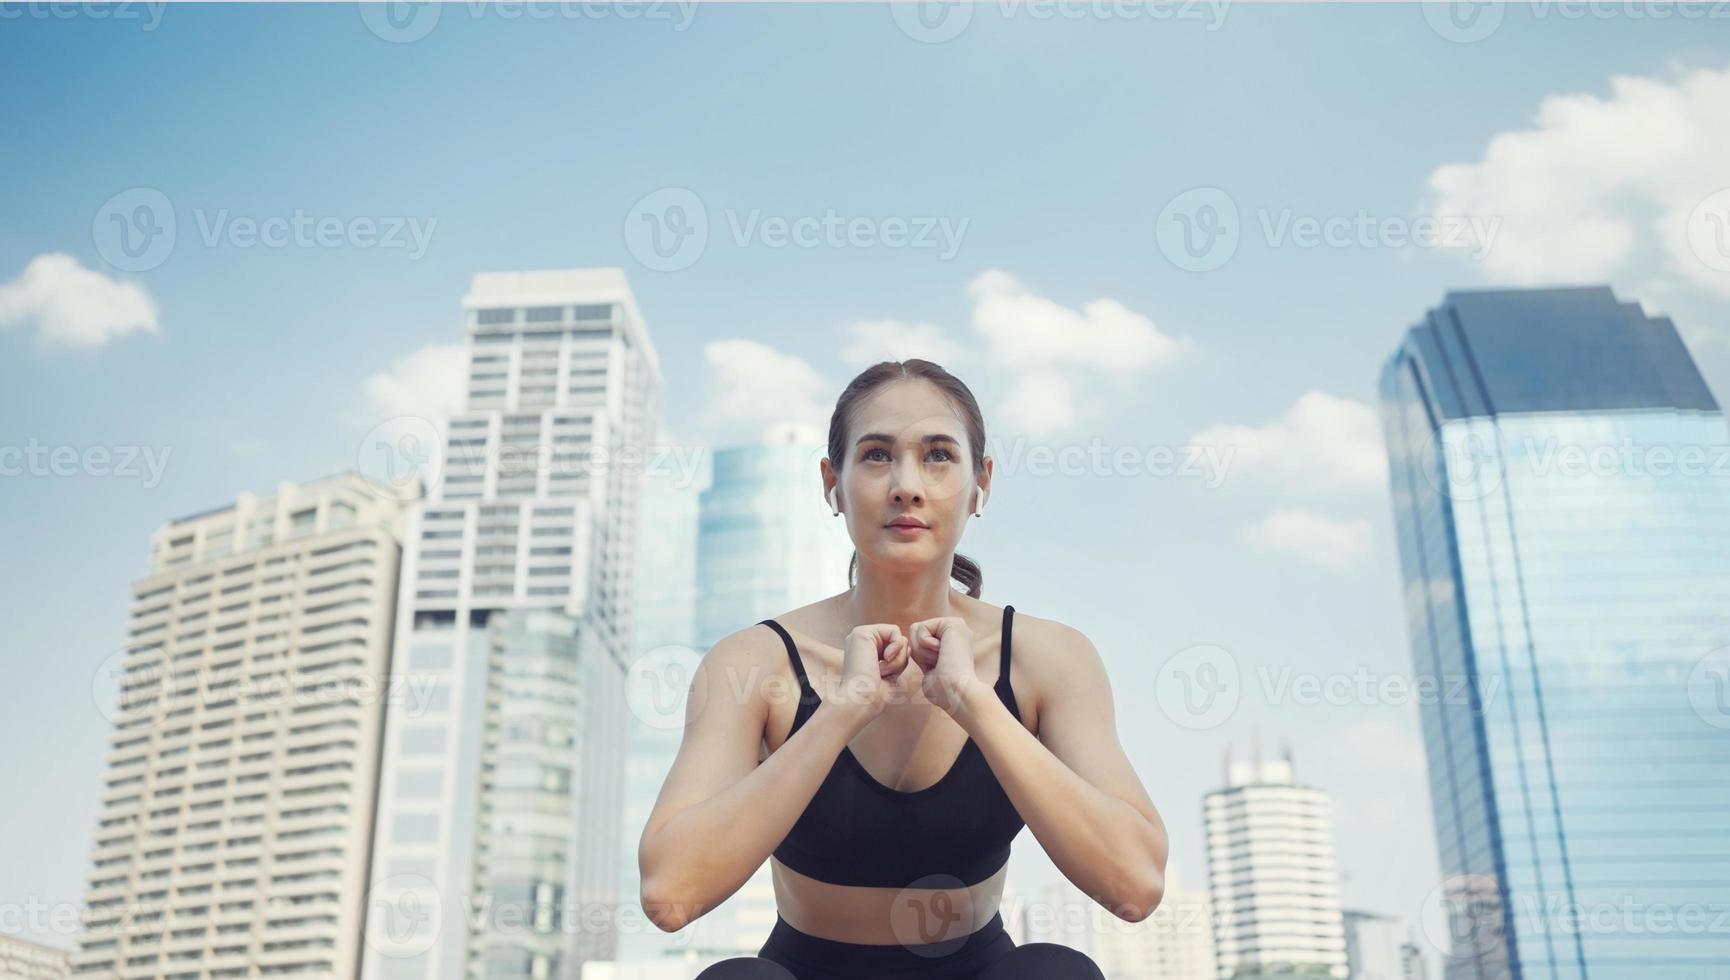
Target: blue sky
(1054,143)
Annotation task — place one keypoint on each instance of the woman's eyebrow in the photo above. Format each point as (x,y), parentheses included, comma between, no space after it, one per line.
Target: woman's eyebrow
(881,437)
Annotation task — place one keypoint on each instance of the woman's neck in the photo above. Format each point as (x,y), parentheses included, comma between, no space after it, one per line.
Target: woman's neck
(899,598)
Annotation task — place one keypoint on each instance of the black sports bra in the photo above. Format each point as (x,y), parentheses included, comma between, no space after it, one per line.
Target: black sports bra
(857,831)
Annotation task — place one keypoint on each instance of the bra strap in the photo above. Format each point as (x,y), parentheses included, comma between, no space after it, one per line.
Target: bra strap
(1008,627)
(808,697)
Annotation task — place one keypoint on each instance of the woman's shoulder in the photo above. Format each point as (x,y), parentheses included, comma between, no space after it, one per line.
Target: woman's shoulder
(1039,642)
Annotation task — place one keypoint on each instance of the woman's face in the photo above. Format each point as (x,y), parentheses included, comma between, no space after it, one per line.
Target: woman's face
(906,458)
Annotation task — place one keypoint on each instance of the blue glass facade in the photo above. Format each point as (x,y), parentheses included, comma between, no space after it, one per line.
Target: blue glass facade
(1560,476)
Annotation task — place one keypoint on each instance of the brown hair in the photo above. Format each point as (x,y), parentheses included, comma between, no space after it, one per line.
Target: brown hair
(964,569)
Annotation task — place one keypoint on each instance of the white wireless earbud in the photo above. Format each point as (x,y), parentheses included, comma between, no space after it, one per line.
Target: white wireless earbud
(979,508)
(830,493)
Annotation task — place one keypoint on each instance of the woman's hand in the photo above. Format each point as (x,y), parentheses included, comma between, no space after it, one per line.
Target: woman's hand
(943,649)
(871,666)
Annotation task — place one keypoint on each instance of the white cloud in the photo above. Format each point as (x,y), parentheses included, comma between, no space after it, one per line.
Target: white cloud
(1022,329)
(1040,403)
(1599,188)
(1054,355)
(426,384)
(892,340)
(754,386)
(73,306)
(1311,537)
(1323,442)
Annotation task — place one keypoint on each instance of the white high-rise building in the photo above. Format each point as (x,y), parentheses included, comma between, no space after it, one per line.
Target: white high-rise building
(498,834)
(21,959)
(1174,943)
(1272,873)
(233,835)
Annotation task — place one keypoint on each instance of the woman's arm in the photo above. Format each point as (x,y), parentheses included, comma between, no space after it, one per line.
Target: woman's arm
(1073,784)
(720,813)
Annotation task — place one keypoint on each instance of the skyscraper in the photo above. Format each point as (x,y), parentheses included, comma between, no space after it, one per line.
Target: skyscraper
(1271,868)
(499,810)
(768,542)
(1562,503)
(233,835)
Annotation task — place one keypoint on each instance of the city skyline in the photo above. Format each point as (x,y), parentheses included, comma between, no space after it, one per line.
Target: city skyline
(234,366)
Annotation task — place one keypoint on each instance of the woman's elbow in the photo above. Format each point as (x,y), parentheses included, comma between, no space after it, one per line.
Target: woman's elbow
(1142,897)
(665,911)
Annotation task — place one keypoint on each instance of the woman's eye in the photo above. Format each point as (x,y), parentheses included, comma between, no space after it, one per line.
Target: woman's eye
(869,452)
(945,452)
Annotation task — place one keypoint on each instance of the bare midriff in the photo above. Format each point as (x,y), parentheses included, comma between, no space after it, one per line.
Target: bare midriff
(880,916)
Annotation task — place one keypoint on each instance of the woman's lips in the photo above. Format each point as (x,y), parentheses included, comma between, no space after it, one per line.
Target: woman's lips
(907,530)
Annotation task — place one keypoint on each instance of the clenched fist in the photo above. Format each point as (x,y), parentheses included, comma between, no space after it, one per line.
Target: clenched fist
(943,649)
(871,666)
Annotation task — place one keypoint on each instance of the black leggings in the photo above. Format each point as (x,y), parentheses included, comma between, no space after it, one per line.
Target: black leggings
(986,954)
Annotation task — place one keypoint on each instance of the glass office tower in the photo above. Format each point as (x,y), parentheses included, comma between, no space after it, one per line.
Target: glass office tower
(1562,503)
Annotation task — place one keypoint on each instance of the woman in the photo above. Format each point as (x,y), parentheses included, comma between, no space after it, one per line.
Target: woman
(886,792)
